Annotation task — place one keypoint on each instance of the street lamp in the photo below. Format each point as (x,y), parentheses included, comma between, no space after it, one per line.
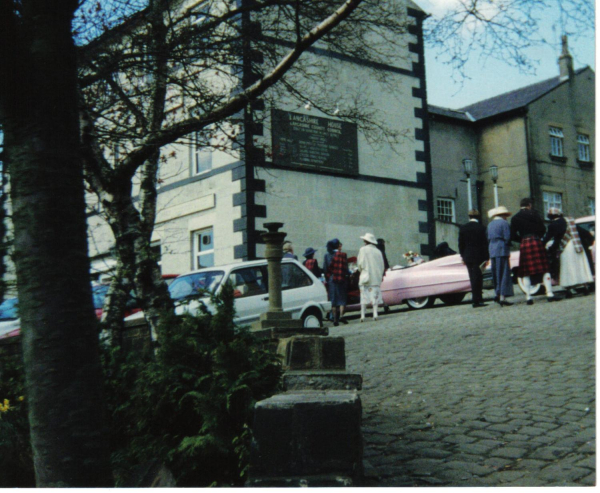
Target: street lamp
(468,167)
(494,172)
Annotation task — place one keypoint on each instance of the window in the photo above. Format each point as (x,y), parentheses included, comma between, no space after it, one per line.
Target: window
(552,199)
(556,142)
(592,206)
(583,148)
(445,210)
(195,285)
(250,281)
(204,249)
(201,157)
(293,277)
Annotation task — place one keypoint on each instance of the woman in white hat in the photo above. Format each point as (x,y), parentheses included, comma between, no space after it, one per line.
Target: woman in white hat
(498,234)
(371,267)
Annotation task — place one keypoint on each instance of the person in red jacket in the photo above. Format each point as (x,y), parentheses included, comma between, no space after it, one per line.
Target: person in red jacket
(337,281)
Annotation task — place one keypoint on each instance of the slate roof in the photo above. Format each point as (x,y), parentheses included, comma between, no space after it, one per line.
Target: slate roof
(513,100)
(504,103)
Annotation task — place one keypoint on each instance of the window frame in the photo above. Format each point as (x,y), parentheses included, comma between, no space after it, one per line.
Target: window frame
(583,148)
(197,153)
(443,217)
(552,203)
(196,243)
(557,141)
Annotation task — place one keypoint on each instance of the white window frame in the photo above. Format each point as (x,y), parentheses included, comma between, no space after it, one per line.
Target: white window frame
(583,148)
(445,209)
(556,142)
(200,156)
(197,252)
(552,199)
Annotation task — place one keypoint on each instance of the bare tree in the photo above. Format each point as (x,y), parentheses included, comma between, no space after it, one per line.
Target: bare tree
(171,71)
(504,30)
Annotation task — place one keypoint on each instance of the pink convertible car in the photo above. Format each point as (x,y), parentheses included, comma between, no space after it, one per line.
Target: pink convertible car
(419,285)
(446,278)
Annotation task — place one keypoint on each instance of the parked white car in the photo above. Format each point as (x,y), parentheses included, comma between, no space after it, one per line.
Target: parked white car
(303,295)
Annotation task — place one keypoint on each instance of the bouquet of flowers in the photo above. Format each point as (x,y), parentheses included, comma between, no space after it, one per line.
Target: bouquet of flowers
(412,258)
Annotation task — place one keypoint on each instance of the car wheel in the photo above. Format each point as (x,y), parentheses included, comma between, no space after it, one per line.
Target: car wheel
(453,298)
(312,319)
(420,303)
(535,288)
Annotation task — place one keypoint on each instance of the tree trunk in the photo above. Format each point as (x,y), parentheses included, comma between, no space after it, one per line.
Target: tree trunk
(38,110)
(132,242)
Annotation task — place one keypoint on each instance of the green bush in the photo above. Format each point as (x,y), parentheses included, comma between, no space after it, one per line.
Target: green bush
(16,463)
(190,405)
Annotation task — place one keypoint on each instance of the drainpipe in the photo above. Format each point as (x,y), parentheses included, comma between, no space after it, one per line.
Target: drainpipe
(529,159)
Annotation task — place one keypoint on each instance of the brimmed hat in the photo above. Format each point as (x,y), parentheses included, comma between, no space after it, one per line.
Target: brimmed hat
(370,237)
(499,211)
(333,244)
(308,252)
(553,211)
(473,213)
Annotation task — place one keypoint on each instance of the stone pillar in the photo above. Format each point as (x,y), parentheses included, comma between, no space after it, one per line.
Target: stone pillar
(276,323)
(274,253)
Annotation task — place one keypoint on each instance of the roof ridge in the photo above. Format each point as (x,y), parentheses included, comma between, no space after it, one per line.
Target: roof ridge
(555,80)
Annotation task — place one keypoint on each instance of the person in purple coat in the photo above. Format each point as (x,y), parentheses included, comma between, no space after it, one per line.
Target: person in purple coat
(498,234)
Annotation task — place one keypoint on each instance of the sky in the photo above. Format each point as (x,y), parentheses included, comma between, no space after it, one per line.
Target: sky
(491,78)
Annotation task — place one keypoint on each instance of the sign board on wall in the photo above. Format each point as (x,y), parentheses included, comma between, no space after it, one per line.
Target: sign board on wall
(311,142)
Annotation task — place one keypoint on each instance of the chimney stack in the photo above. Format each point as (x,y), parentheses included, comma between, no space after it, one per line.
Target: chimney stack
(565,61)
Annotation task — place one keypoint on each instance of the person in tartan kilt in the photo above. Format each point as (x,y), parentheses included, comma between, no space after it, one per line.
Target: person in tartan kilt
(527,228)
(335,265)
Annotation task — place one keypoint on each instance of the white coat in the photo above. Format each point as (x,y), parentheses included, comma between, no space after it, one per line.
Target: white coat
(370,265)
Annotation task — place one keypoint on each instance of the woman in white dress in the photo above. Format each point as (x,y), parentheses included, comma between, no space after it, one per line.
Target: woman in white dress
(574,267)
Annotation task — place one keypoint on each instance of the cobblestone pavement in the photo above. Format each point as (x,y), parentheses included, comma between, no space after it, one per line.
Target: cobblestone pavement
(454,396)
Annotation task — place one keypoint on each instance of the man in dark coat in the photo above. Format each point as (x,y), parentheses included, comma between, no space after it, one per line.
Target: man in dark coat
(527,228)
(473,248)
(556,230)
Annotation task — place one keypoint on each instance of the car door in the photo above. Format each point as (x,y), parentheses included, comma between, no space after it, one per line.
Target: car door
(297,288)
(250,291)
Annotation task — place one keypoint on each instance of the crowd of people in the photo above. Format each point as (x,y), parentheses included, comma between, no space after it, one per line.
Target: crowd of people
(554,255)
(557,253)
(337,274)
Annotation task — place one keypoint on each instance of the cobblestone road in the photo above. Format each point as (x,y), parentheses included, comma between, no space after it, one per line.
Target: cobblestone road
(454,396)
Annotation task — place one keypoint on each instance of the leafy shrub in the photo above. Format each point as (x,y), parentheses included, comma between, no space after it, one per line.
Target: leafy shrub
(16,463)
(190,405)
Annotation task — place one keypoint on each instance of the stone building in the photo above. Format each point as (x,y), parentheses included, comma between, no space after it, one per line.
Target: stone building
(540,137)
(321,176)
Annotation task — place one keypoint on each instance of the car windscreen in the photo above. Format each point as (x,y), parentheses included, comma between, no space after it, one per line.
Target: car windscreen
(99,293)
(9,309)
(197,284)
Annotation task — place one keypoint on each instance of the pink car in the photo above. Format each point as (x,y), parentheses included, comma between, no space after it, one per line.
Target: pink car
(419,285)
